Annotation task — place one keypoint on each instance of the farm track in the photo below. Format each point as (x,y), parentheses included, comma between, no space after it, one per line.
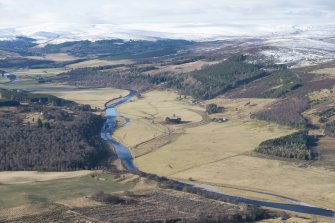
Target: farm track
(171,136)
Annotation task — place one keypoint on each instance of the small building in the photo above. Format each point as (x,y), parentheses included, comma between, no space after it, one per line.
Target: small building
(219,120)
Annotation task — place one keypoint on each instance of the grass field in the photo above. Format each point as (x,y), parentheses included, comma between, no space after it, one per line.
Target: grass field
(209,143)
(3,80)
(329,71)
(95,97)
(198,145)
(148,113)
(54,187)
(182,68)
(18,177)
(97,63)
(58,57)
(28,83)
(309,184)
(45,72)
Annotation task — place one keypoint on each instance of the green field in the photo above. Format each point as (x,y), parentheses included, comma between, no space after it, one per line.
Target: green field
(13,195)
(95,97)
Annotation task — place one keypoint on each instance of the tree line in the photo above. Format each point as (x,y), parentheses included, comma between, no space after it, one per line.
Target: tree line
(330,129)
(293,146)
(61,145)
(211,81)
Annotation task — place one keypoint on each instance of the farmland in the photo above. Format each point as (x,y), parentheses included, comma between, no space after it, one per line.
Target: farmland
(147,115)
(93,97)
(58,57)
(213,153)
(35,188)
(97,63)
(200,112)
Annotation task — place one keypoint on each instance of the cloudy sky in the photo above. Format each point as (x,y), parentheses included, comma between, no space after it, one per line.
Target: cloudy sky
(226,13)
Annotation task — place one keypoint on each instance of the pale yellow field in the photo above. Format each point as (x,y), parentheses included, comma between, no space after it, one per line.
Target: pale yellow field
(32,117)
(209,143)
(147,113)
(307,219)
(58,57)
(323,94)
(95,97)
(329,71)
(309,184)
(19,177)
(138,131)
(241,108)
(39,72)
(199,145)
(96,63)
(183,68)
(3,80)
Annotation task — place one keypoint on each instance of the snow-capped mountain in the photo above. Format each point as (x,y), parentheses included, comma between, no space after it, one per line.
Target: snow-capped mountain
(296,45)
(59,32)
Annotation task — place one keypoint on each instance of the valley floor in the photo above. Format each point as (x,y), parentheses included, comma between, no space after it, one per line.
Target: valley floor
(219,153)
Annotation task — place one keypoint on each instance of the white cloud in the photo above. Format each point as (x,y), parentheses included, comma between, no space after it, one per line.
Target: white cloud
(160,12)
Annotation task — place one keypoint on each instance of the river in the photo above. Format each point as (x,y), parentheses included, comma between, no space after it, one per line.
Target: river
(124,154)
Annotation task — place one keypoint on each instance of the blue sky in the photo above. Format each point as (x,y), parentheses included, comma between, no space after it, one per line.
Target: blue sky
(205,12)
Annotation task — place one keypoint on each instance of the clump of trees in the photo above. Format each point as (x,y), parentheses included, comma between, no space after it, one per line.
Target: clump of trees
(280,83)
(4,103)
(330,129)
(95,78)
(294,146)
(174,120)
(217,79)
(120,49)
(326,114)
(107,198)
(57,143)
(21,96)
(213,108)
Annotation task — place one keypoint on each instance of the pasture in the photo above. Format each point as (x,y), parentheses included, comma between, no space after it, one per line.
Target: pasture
(57,57)
(23,188)
(98,62)
(43,72)
(148,115)
(95,97)
(327,71)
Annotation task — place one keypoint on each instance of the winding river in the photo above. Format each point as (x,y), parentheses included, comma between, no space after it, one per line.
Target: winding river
(124,154)
(110,126)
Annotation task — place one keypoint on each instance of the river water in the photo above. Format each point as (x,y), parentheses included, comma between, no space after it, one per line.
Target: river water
(110,126)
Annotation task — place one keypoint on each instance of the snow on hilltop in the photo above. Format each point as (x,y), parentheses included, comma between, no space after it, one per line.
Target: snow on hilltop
(292,45)
(59,32)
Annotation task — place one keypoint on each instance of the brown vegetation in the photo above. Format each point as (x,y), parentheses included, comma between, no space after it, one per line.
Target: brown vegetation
(286,111)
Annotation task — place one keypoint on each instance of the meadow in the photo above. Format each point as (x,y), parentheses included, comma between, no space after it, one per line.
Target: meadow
(98,62)
(329,71)
(58,57)
(29,188)
(93,97)
(148,115)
